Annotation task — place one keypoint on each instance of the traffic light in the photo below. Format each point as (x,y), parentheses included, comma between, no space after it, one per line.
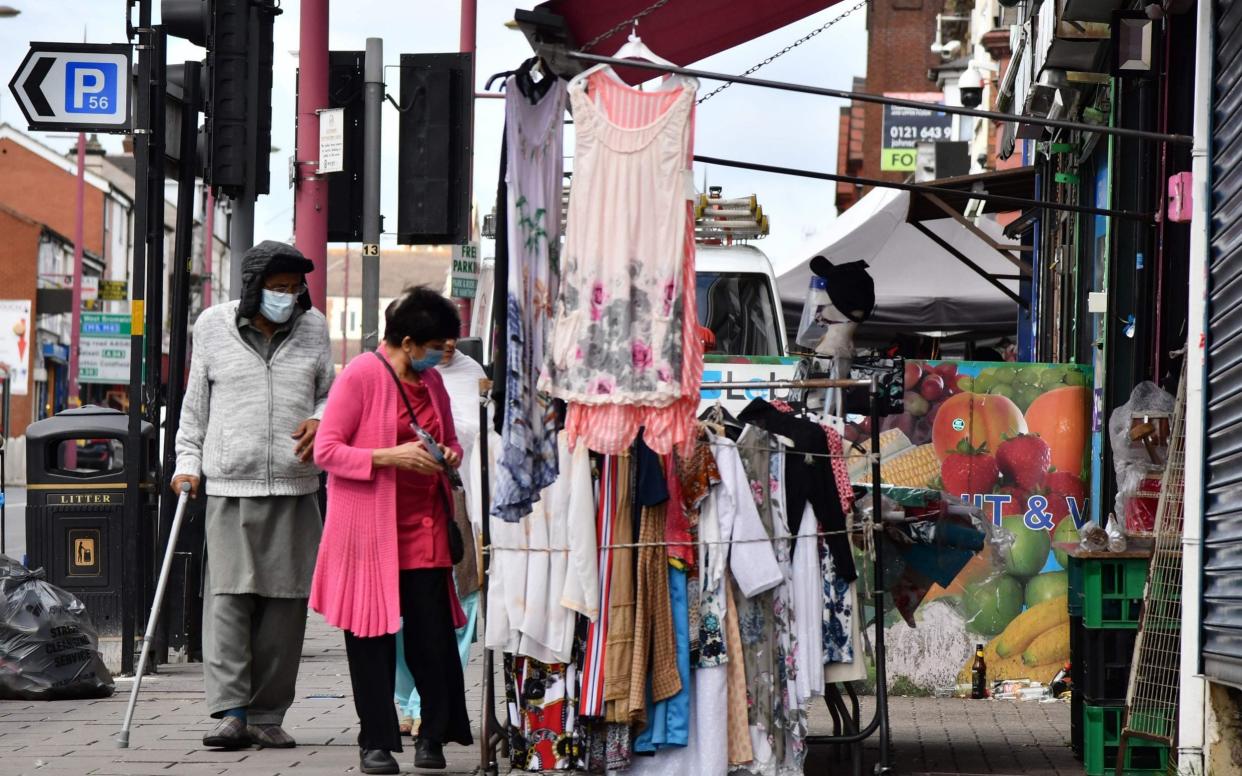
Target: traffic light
(347,89)
(433,166)
(238,96)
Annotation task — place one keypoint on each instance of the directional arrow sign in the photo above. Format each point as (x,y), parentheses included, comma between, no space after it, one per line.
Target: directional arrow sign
(77,87)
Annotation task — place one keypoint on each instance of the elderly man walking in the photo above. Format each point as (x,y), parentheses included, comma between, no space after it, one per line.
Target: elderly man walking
(259,380)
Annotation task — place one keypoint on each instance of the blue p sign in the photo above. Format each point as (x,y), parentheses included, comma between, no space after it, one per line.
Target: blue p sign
(90,87)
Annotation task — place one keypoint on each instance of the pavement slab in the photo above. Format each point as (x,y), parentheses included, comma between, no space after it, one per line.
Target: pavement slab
(931,737)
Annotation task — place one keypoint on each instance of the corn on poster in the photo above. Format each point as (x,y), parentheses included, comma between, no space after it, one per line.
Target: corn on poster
(1013,439)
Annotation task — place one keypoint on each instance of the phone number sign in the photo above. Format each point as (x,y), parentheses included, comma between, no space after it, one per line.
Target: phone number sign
(905,128)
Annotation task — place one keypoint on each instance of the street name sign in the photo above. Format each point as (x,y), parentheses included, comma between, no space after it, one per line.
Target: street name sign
(76,87)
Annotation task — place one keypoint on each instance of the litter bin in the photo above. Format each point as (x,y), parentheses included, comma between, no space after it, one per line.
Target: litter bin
(77,518)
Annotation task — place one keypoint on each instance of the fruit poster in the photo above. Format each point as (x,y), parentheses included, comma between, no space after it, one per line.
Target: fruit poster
(1013,439)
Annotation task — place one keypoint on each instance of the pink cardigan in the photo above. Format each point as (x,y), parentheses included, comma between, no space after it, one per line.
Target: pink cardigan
(355,584)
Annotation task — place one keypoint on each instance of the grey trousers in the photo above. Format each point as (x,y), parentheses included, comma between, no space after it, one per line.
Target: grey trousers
(252,646)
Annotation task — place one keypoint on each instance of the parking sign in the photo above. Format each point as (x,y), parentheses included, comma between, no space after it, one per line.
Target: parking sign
(75,86)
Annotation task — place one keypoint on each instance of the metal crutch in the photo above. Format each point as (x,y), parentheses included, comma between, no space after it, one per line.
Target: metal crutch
(122,737)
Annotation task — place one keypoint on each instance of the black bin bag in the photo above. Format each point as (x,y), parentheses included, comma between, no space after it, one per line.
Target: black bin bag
(48,648)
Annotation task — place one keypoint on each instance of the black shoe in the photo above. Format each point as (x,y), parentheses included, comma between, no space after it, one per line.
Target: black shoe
(428,755)
(378,761)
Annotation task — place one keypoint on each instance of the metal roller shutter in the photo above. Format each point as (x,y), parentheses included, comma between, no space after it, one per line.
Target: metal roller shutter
(1222,571)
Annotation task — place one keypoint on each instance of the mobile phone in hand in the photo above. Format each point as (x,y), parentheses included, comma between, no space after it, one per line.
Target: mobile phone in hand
(428,442)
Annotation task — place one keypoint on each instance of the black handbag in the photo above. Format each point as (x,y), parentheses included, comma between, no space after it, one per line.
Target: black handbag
(457,544)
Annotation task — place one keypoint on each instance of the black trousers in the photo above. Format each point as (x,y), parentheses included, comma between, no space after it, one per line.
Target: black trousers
(431,654)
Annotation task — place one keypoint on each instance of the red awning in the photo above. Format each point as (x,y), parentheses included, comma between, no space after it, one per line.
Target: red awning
(683,31)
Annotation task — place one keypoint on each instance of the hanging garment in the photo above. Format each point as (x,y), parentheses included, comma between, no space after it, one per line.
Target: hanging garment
(838,612)
(855,670)
(655,651)
(668,720)
(740,751)
(757,614)
(533,141)
(678,531)
(713,556)
(706,753)
(697,475)
(619,748)
(791,712)
(543,721)
(620,329)
(808,607)
(534,596)
(613,501)
(534,91)
(619,656)
(745,519)
(808,478)
(770,641)
(840,470)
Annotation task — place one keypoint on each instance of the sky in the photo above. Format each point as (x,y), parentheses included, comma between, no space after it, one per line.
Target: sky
(740,123)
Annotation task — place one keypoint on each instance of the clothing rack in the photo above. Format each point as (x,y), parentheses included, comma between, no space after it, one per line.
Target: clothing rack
(492,738)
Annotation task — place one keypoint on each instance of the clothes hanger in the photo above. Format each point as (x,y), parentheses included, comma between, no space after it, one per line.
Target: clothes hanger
(633,48)
(532,89)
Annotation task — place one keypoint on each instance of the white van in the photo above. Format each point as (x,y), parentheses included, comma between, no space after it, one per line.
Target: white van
(736,294)
(737,300)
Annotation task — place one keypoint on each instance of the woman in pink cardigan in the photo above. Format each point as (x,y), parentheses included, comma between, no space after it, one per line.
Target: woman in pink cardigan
(385,556)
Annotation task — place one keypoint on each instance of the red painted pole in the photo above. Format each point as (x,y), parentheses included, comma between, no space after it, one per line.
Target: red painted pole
(209,246)
(79,229)
(310,198)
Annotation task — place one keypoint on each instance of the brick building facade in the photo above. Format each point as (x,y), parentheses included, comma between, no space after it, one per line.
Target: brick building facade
(899,59)
(38,205)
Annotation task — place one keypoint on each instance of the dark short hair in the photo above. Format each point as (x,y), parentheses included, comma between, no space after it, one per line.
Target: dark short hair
(422,315)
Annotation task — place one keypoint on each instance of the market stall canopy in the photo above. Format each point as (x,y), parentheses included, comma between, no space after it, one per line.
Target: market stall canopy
(682,31)
(920,285)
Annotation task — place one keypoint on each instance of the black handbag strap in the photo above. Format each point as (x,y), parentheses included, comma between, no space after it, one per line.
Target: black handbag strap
(435,450)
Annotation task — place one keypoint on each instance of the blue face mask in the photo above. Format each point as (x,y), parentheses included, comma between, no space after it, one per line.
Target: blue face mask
(428,361)
(277,306)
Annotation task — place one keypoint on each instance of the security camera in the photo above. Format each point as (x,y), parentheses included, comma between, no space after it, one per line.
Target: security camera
(946,50)
(970,88)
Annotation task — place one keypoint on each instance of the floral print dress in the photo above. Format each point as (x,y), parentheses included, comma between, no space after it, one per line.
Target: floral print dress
(619,352)
(527,462)
(770,645)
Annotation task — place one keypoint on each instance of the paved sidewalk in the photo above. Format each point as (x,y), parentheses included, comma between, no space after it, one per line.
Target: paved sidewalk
(41,739)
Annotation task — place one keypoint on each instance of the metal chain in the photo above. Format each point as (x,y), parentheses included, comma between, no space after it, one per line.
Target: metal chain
(627,23)
(784,51)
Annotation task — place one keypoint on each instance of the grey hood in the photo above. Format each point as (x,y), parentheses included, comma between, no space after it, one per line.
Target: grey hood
(268,258)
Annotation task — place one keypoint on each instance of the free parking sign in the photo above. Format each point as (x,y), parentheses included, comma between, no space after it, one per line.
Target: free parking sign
(75,86)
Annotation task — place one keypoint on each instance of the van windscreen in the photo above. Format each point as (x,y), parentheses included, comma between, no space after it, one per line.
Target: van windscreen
(738,308)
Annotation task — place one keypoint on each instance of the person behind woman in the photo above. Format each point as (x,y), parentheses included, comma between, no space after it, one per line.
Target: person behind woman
(461,375)
(385,553)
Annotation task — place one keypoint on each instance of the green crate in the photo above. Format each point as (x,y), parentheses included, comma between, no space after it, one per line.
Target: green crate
(1102,737)
(1074,571)
(1112,591)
